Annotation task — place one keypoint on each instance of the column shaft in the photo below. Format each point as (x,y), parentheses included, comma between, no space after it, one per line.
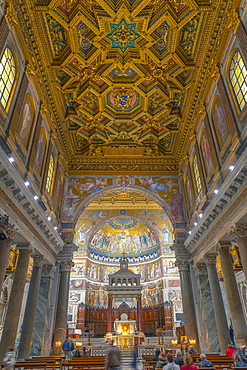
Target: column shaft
(5,249)
(238,321)
(139,313)
(188,303)
(62,304)
(15,302)
(109,317)
(30,311)
(218,304)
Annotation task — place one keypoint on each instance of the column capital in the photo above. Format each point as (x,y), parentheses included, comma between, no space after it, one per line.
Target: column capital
(223,245)
(25,246)
(201,269)
(183,265)
(238,230)
(65,266)
(38,260)
(48,271)
(7,229)
(210,258)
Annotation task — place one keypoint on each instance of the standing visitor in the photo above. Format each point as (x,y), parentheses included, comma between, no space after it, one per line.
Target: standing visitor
(66,347)
(113,358)
(9,359)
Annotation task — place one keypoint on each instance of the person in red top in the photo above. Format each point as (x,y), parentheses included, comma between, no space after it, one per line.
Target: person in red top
(188,363)
(230,351)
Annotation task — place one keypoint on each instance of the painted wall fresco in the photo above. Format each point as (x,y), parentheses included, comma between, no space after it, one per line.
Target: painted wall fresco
(167,189)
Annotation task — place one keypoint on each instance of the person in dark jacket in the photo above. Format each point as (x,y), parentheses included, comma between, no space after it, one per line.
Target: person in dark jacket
(156,355)
(113,358)
(238,361)
(77,353)
(192,351)
(241,352)
(204,362)
(66,347)
(179,359)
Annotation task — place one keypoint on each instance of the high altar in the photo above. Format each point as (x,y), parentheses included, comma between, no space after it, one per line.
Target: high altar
(124,283)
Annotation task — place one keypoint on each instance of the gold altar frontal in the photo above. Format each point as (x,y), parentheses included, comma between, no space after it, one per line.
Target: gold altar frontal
(125,335)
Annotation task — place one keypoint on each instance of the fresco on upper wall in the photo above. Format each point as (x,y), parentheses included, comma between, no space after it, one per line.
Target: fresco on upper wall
(79,188)
(152,294)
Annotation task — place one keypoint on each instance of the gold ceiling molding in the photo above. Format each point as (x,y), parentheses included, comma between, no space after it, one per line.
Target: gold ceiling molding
(122,77)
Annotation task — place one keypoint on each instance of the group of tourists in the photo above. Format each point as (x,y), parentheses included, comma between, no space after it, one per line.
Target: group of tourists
(180,362)
(239,355)
(70,351)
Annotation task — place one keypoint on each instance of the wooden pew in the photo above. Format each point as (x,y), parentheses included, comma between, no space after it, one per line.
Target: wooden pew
(30,365)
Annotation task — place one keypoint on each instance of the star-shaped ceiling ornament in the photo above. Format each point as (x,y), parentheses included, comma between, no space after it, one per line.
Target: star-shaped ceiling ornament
(123,35)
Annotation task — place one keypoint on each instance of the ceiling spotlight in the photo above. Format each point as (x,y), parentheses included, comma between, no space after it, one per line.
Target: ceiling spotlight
(195,223)
(27,183)
(200,215)
(49,218)
(36,197)
(11,159)
(189,232)
(231,168)
(216,191)
(55,227)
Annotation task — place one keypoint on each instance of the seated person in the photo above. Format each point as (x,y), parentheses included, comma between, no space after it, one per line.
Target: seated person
(162,361)
(204,362)
(192,351)
(230,351)
(179,359)
(171,364)
(238,361)
(188,363)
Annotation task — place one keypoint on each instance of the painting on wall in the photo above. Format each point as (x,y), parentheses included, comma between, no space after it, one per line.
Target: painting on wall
(40,151)
(169,266)
(154,270)
(152,294)
(220,122)
(26,121)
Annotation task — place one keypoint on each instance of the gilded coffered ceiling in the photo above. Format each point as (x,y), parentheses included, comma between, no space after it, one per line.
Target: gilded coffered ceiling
(126,76)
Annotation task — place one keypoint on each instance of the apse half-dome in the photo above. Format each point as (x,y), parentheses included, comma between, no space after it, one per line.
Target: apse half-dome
(123,235)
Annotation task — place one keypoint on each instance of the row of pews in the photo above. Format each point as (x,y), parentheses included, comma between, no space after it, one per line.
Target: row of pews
(59,363)
(220,362)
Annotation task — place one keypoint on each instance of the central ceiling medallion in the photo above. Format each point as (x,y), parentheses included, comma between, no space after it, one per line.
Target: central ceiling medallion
(123,98)
(123,35)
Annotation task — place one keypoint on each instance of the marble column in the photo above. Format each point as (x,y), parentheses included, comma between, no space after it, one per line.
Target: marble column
(109,314)
(62,306)
(139,313)
(207,307)
(187,300)
(7,233)
(233,298)
(42,312)
(218,304)
(15,301)
(201,329)
(30,311)
(240,233)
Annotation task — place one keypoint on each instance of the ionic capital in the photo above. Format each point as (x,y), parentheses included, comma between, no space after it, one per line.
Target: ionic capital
(48,271)
(183,265)
(210,258)
(239,231)
(38,260)
(223,245)
(201,268)
(65,266)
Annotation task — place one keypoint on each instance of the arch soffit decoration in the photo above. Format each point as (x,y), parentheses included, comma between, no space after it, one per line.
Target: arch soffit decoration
(155,197)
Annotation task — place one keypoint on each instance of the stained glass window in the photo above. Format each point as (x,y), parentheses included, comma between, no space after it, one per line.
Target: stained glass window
(50,174)
(238,78)
(197,175)
(7,76)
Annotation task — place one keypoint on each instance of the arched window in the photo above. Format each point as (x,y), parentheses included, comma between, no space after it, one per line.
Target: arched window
(7,76)
(197,175)
(238,78)
(50,175)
